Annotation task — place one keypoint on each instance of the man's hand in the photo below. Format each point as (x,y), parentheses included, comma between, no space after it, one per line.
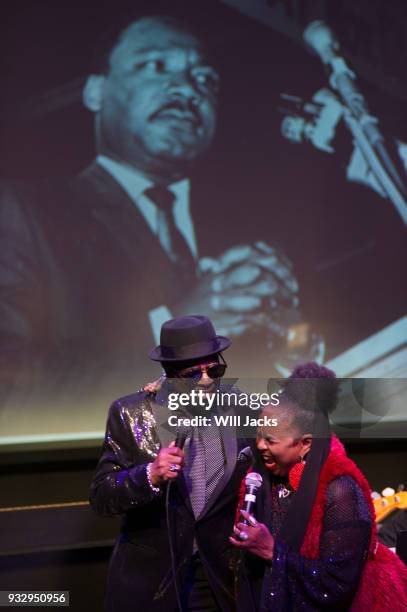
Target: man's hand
(255,537)
(167,465)
(252,288)
(245,289)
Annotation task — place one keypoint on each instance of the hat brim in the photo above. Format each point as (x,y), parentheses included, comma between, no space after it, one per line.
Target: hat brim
(223,343)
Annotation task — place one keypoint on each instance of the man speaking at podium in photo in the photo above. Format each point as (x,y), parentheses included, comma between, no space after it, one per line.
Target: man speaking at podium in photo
(93,265)
(184,530)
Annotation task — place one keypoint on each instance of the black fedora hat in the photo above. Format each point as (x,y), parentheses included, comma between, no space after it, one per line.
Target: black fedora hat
(189,337)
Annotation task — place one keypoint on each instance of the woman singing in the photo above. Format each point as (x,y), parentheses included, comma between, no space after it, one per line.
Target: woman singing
(313,543)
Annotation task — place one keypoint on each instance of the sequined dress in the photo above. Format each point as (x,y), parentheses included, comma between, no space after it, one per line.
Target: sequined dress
(295,583)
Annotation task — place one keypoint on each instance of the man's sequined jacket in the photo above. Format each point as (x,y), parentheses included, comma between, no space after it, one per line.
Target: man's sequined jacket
(140,573)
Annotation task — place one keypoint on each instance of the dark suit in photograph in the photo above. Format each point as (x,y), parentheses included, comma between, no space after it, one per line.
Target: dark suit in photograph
(80,272)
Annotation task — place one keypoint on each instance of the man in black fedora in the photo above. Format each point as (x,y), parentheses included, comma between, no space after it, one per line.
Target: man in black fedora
(177,497)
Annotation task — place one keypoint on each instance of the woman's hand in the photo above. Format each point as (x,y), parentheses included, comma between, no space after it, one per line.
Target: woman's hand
(255,537)
(155,385)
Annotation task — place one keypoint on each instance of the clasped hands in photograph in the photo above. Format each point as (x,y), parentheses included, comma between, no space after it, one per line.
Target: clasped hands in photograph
(243,287)
(253,287)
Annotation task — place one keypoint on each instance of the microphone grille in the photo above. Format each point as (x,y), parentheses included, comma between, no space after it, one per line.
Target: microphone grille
(320,38)
(253,479)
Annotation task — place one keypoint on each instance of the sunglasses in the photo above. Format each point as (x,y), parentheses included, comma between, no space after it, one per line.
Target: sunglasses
(215,370)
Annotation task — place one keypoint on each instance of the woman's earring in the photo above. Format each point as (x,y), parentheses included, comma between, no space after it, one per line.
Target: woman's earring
(294,475)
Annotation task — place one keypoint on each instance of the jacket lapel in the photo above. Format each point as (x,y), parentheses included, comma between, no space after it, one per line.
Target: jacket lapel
(181,485)
(128,240)
(160,412)
(116,212)
(166,436)
(230,445)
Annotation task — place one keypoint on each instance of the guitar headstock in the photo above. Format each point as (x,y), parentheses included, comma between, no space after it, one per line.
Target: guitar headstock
(389,501)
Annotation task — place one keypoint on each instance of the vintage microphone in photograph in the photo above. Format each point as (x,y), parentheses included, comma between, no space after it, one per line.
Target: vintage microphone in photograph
(363,126)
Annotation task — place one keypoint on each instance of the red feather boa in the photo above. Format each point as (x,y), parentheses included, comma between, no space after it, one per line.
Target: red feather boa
(383,584)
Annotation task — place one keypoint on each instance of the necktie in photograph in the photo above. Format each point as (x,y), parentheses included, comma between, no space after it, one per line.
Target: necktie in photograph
(171,239)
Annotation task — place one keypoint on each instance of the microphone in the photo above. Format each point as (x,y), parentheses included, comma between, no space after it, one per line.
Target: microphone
(181,437)
(322,40)
(253,482)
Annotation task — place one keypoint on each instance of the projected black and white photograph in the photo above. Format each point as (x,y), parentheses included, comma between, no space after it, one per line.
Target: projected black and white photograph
(203,305)
(241,160)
